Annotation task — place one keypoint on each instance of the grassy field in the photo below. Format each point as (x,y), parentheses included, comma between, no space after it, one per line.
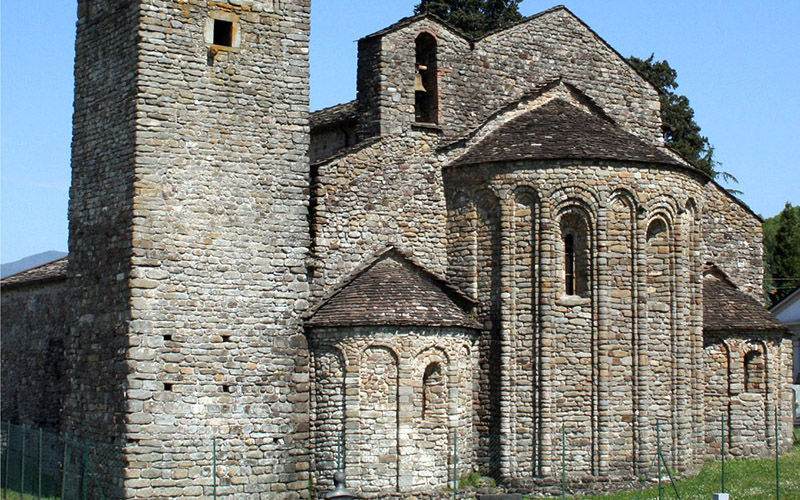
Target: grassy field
(745,480)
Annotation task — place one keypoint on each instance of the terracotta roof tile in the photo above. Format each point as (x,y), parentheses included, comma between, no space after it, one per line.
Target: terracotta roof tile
(558,130)
(51,271)
(726,308)
(392,291)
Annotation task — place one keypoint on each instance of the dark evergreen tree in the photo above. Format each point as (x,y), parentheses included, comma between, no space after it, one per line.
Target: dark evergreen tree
(473,17)
(681,132)
(782,252)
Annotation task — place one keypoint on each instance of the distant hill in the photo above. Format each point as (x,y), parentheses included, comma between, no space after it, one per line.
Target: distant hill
(29,262)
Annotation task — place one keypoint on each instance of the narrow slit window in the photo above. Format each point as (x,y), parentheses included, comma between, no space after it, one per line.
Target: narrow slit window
(569,264)
(223,33)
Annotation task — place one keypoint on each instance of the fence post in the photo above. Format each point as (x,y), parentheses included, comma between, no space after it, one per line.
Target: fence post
(39,483)
(723,454)
(85,469)
(777,459)
(563,462)
(64,469)
(8,453)
(22,466)
(455,463)
(658,459)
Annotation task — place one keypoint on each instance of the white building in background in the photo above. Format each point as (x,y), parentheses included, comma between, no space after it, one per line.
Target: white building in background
(788,311)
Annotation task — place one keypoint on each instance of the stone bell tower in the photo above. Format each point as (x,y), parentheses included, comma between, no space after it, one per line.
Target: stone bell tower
(188,242)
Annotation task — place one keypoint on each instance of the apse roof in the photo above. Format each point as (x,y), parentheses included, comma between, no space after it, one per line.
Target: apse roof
(726,308)
(558,130)
(390,290)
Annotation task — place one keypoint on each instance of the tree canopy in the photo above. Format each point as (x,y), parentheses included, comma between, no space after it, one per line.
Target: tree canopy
(782,253)
(681,132)
(473,17)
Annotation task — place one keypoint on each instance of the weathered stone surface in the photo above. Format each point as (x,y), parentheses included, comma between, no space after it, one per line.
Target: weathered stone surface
(201,236)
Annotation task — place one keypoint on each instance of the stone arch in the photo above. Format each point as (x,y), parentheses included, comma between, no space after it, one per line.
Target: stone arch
(379,420)
(620,280)
(525,251)
(691,275)
(718,392)
(576,250)
(661,320)
(429,434)
(577,335)
(579,195)
(755,367)
(426,86)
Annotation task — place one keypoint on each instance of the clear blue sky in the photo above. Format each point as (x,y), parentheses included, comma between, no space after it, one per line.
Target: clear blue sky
(737,61)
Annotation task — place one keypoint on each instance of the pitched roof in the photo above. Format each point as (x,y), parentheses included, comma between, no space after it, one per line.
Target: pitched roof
(406,21)
(390,290)
(793,296)
(558,130)
(727,308)
(52,271)
(335,114)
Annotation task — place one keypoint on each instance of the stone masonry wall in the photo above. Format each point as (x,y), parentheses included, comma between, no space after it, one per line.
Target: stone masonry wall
(389,192)
(733,239)
(615,376)
(220,241)
(34,329)
(386,404)
(605,369)
(478,79)
(100,221)
(749,412)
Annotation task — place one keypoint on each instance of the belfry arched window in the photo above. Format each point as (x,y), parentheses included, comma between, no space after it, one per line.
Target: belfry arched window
(576,253)
(426,102)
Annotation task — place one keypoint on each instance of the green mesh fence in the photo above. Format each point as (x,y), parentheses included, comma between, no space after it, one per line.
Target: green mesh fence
(39,464)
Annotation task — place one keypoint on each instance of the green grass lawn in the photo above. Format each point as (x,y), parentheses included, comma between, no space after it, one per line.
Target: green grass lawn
(745,480)
(14,495)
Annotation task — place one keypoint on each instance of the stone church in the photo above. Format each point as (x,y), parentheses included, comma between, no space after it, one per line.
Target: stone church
(490,245)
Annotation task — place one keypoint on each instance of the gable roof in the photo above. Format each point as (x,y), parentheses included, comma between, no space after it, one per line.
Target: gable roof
(391,290)
(558,130)
(793,296)
(51,271)
(726,308)
(406,21)
(334,115)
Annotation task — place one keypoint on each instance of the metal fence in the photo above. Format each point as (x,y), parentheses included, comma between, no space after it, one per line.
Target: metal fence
(41,464)
(35,463)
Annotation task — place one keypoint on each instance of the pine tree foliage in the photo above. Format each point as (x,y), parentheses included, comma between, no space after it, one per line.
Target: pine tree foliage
(681,132)
(782,252)
(474,17)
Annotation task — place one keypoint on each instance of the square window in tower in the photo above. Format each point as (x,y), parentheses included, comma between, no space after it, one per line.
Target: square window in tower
(223,33)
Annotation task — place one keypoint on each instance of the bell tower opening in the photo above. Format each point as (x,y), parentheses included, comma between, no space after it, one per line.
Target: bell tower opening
(426,102)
